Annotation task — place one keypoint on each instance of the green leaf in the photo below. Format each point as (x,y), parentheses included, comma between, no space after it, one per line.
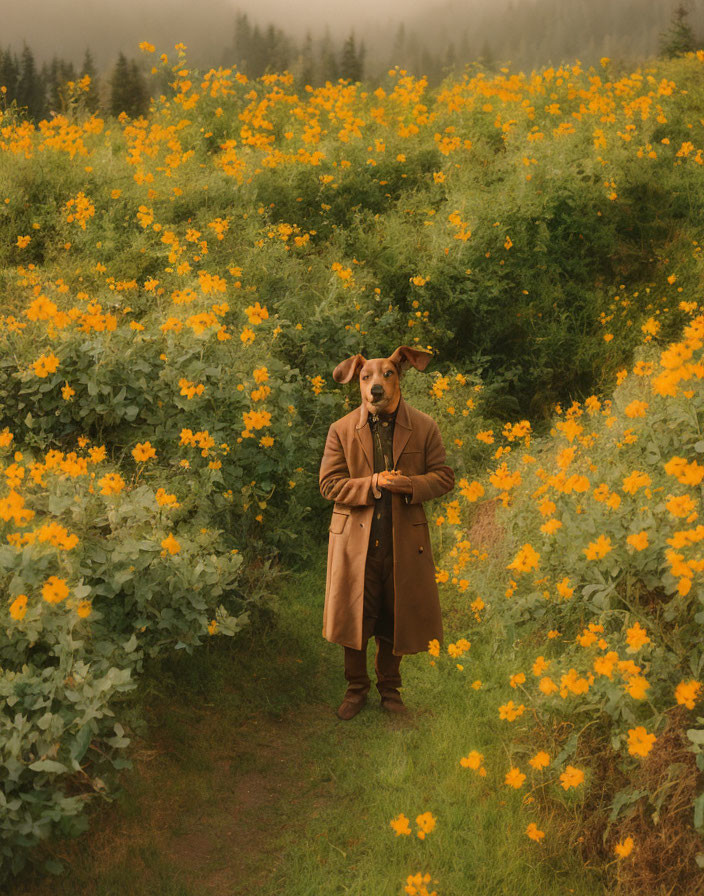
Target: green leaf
(48,765)
(699,812)
(54,867)
(696,735)
(81,743)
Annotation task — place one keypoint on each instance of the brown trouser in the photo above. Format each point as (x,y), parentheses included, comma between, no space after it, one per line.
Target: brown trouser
(377,621)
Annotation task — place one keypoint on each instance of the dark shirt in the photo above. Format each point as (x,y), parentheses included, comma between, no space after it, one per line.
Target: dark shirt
(382,430)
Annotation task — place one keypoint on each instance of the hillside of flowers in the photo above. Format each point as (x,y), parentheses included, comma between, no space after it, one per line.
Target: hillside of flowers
(592,582)
(176,291)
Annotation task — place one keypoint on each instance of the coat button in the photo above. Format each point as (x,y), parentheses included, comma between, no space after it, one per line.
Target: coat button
(420,549)
(361,525)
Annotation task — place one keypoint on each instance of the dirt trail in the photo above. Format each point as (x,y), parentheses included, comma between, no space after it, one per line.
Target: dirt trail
(203,815)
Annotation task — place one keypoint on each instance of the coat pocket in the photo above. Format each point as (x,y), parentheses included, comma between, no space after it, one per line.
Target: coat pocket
(422,537)
(337,523)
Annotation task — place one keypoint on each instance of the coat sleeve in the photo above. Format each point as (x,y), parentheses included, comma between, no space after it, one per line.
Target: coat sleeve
(438,478)
(334,479)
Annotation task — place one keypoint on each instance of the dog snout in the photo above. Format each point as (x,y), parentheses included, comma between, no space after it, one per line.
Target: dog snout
(377,390)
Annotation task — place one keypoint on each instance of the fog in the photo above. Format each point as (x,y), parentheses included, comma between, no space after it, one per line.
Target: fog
(441,34)
(66,27)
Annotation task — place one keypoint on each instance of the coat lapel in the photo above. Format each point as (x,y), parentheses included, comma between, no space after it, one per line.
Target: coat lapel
(364,434)
(402,433)
(402,430)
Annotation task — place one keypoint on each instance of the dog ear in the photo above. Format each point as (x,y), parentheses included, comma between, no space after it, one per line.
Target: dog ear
(405,357)
(347,370)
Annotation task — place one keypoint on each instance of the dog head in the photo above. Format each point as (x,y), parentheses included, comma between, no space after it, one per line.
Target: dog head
(380,378)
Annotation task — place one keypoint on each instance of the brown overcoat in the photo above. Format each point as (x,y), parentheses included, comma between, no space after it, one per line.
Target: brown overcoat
(347,478)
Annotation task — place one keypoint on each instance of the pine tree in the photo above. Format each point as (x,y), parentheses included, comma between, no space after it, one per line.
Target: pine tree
(92,98)
(53,85)
(350,67)
(486,57)
(139,95)
(9,75)
(679,37)
(120,87)
(328,62)
(450,61)
(276,50)
(30,87)
(399,48)
(307,72)
(242,44)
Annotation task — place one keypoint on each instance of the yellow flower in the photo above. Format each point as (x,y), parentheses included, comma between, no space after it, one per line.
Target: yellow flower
(680,505)
(634,481)
(571,777)
(472,760)
(624,847)
(540,665)
(540,760)
(434,647)
(564,589)
(45,364)
(637,686)
(400,825)
(597,549)
(638,540)
(510,711)
(111,484)
(533,832)
(471,490)
(165,500)
(514,778)
(84,609)
(54,590)
(18,607)
(170,544)
(67,392)
(687,693)
(426,823)
(547,686)
(143,451)
(640,743)
(526,559)
(636,409)
(636,638)
(256,313)
(516,679)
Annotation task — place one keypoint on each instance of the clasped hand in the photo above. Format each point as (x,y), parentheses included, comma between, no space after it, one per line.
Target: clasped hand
(395,481)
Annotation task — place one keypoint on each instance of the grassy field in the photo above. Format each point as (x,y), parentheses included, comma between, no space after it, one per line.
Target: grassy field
(262,789)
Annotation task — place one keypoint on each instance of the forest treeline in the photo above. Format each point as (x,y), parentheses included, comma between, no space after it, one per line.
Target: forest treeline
(42,91)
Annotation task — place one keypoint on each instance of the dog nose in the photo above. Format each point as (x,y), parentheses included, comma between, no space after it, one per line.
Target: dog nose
(377,390)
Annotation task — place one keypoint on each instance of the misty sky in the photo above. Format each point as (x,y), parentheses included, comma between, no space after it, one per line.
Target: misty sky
(530,31)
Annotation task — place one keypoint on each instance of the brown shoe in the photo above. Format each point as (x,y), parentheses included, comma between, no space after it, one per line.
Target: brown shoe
(393,704)
(348,709)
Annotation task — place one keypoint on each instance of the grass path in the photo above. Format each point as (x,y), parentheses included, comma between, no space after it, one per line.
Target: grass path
(244,780)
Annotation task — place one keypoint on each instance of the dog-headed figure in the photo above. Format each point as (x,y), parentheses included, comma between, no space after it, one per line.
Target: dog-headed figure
(380,463)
